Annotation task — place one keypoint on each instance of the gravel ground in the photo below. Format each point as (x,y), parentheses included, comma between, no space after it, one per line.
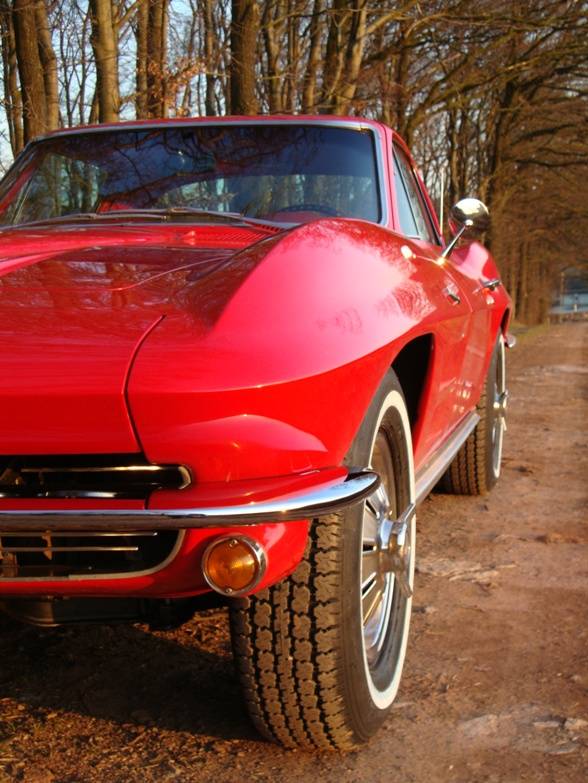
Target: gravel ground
(496,679)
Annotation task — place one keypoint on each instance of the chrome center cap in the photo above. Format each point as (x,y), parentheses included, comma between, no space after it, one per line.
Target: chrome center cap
(500,404)
(394,548)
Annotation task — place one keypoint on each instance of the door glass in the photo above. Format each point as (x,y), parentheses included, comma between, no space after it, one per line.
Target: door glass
(408,224)
(407,191)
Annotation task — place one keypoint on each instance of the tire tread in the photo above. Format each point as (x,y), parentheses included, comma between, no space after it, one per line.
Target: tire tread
(298,645)
(285,643)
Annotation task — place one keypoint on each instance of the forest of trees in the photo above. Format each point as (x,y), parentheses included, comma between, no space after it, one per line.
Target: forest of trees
(491,95)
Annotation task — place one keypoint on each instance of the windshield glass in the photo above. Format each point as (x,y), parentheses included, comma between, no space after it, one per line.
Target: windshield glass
(279,172)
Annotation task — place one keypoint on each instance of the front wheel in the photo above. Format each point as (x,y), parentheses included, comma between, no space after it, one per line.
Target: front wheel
(320,655)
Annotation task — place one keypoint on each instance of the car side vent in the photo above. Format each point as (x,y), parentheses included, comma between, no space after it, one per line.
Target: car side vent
(128,476)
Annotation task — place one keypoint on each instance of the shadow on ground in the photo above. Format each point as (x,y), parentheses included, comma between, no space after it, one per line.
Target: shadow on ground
(128,675)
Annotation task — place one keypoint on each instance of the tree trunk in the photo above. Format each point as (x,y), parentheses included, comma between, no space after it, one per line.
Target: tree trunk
(244,31)
(30,69)
(49,65)
(157,103)
(104,40)
(141,31)
(210,58)
(333,64)
(315,31)
(353,57)
(401,78)
(293,42)
(272,32)
(12,96)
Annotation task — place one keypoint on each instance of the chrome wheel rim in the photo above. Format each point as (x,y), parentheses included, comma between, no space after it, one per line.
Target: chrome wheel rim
(499,408)
(382,603)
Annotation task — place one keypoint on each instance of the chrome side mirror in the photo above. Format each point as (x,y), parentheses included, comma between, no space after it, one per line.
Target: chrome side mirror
(469,217)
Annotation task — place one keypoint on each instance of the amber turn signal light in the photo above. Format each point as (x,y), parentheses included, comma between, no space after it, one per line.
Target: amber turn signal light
(233,565)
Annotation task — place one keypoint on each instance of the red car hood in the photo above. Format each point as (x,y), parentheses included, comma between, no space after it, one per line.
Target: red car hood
(72,320)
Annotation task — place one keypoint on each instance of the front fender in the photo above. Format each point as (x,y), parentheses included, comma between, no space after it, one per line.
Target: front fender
(298,333)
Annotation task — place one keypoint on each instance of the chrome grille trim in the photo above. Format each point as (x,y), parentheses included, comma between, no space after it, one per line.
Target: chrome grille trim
(82,534)
(22,549)
(107,476)
(46,555)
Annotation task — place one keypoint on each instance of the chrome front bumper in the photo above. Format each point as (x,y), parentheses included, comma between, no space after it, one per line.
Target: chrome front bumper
(320,500)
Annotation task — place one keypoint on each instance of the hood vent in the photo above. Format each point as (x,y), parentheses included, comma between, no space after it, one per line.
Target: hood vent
(128,476)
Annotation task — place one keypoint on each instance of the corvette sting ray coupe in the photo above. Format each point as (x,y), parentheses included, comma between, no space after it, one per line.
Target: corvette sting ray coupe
(236,355)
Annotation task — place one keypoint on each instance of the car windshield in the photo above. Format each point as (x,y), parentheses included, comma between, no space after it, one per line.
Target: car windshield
(288,173)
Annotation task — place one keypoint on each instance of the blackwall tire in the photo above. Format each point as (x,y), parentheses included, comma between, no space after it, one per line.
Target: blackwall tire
(318,655)
(476,467)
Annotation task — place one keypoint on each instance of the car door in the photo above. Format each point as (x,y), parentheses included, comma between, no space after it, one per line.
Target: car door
(475,272)
(452,324)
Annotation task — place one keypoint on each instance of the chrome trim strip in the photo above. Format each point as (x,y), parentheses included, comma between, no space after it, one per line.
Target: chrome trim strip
(27,549)
(85,534)
(104,469)
(434,468)
(8,490)
(318,501)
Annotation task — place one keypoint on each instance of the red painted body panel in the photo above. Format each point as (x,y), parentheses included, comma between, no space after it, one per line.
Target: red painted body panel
(242,353)
(71,319)
(259,395)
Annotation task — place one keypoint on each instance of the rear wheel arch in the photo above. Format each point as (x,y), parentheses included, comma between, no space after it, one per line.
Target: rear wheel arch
(476,467)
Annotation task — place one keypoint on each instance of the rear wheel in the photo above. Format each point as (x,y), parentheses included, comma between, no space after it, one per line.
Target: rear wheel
(476,467)
(320,655)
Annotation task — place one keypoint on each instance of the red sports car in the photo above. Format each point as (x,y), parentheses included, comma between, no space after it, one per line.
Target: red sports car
(236,354)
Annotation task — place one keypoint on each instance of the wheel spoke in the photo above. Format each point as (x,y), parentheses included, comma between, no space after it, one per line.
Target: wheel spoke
(370,526)
(372,599)
(370,561)
(378,502)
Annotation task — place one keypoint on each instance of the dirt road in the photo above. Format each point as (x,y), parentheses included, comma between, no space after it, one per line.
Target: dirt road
(496,680)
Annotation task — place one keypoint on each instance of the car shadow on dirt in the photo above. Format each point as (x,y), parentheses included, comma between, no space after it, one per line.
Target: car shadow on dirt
(128,675)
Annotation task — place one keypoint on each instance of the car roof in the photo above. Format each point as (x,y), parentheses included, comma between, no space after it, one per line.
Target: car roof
(298,119)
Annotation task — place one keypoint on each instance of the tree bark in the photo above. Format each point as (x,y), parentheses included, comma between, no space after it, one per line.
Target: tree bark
(104,41)
(12,96)
(315,31)
(30,69)
(49,65)
(333,64)
(157,104)
(272,31)
(210,58)
(293,42)
(141,31)
(244,31)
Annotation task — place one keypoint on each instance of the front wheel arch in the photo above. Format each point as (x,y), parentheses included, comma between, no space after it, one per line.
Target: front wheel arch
(300,646)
